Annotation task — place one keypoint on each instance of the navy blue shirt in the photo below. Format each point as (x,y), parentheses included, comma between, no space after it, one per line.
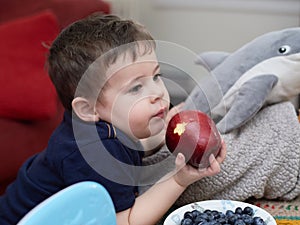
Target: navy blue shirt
(77,151)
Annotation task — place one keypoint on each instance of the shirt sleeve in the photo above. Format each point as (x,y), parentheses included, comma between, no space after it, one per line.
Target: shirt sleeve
(76,168)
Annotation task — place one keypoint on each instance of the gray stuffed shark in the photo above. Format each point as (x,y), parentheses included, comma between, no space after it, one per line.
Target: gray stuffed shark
(262,72)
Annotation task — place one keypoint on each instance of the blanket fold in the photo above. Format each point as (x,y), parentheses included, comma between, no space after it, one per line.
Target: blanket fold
(263,160)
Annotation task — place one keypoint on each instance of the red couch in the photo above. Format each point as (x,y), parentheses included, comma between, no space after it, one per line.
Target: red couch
(29,107)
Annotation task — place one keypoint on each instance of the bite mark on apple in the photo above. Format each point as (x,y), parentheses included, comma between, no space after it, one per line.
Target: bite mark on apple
(180,128)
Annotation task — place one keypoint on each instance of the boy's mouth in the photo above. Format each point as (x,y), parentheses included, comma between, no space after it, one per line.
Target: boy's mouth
(161,113)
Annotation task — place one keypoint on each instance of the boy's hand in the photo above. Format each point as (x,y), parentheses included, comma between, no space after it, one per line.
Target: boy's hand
(186,174)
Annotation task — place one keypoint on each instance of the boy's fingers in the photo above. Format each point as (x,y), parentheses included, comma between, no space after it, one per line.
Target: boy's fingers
(214,164)
(212,159)
(222,154)
(180,160)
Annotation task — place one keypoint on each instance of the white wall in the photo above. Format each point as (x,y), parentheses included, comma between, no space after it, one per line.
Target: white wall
(205,28)
(205,25)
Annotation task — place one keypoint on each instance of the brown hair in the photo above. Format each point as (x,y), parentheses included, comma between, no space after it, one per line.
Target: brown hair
(79,45)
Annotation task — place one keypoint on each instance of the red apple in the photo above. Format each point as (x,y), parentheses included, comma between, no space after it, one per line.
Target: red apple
(194,134)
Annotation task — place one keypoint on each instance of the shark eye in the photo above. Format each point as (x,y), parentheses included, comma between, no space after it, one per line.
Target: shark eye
(285,49)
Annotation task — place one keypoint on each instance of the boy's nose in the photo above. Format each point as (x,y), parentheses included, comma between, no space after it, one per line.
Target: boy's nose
(156,94)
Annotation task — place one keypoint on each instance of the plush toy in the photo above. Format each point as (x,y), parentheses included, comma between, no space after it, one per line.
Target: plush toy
(262,72)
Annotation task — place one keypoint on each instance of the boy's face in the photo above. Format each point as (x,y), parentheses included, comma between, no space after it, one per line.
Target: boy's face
(135,98)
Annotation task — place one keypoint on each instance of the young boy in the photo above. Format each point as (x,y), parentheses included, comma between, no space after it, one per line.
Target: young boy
(108,78)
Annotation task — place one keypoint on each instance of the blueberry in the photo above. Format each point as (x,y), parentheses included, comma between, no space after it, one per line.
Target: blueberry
(239,222)
(215,214)
(210,217)
(207,211)
(222,220)
(258,221)
(213,222)
(187,221)
(203,216)
(229,213)
(233,218)
(247,219)
(221,215)
(188,214)
(202,223)
(239,210)
(195,213)
(248,210)
(199,220)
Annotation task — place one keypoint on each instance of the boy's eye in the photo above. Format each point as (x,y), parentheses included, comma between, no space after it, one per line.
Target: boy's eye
(156,76)
(136,88)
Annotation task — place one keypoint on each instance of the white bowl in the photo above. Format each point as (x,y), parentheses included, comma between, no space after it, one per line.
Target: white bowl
(220,205)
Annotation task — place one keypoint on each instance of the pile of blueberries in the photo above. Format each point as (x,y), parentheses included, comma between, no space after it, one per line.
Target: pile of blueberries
(213,217)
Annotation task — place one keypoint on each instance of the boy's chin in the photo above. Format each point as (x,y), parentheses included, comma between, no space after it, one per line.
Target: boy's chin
(156,126)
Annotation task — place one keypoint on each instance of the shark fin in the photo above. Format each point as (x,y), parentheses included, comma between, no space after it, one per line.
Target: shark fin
(211,59)
(249,101)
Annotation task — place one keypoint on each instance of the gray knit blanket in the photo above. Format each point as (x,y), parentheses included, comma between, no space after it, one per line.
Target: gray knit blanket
(263,161)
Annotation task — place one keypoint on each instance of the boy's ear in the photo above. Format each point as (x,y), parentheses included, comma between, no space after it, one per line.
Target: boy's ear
(84,109)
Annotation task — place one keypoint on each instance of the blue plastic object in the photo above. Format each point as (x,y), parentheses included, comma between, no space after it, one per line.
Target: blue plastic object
(84,203)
